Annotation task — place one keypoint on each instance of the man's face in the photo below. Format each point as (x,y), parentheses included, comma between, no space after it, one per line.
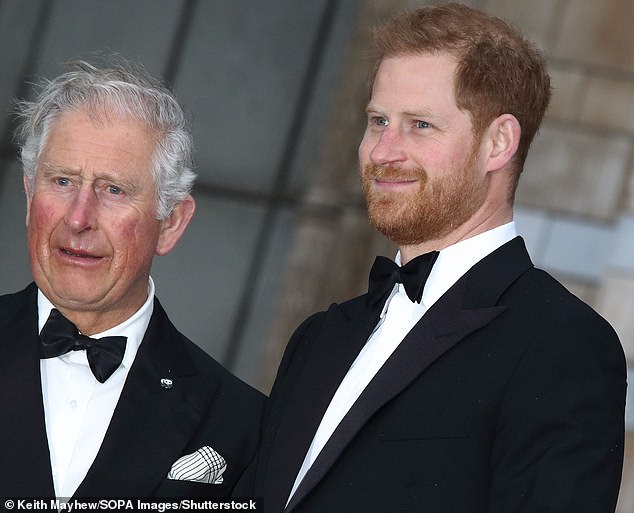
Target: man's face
(419,163)
(91,215)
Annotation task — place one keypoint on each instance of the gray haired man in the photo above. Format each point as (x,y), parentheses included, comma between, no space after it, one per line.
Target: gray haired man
(103,397)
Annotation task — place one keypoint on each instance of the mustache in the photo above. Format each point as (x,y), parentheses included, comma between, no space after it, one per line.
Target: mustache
(372,171)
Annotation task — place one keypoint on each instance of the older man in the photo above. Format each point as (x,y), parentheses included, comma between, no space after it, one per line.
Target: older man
(101,395)
(466,380)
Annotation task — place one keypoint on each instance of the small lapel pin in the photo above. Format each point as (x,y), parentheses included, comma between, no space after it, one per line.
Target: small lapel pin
(166,383)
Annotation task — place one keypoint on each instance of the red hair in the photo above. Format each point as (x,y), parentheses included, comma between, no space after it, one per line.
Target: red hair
(498,71)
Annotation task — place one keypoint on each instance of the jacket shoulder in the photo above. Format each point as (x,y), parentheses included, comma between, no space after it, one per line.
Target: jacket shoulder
(13,304)
(538,291)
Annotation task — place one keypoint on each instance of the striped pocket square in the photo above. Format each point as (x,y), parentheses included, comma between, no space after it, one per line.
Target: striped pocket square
(203,466)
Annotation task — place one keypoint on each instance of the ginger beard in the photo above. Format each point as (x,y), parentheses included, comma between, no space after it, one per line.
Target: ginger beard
(439,206)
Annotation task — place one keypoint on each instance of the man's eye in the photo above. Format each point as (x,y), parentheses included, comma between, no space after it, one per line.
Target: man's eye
(62,181)
(379,121)
(113,189)
(422,124)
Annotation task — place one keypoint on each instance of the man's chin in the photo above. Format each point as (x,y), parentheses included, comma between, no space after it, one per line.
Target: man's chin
(405,232)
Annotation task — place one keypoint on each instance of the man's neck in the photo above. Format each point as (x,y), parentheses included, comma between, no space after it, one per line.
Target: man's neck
(486,219)
(467,231)
(95,321)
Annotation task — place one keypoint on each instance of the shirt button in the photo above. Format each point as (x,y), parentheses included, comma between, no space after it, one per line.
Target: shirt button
(73,404)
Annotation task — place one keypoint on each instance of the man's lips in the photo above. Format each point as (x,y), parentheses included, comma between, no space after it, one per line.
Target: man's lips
(78,253)
(394,182)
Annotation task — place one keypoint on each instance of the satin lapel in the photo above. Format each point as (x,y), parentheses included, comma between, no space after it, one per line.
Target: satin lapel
(151,424)
(330,355)
(26,465)
(445,324)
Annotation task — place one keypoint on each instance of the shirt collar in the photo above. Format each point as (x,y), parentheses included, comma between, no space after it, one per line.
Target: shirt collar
(455,260)
(133,328)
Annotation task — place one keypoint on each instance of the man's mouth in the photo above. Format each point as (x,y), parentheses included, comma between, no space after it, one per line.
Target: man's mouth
(77,253)
(396,180)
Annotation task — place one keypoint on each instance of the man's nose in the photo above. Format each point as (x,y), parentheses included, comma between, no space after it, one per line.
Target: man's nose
(82,211)
(388,148)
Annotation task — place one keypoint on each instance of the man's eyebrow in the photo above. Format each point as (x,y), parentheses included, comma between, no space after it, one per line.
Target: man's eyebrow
(412,113)
(50,168)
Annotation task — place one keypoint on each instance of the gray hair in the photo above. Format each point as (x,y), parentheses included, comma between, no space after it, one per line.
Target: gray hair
(124,90)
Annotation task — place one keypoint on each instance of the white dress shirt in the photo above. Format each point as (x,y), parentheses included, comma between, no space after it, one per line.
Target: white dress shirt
(398,317)
(77,408)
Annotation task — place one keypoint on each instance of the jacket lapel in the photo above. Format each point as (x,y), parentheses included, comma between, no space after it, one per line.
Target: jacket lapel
(466,307)
(148,417)
(330,354)
(26,466)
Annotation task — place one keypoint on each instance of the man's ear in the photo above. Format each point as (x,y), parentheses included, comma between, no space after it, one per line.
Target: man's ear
(28,193)
(503,138)
(173,226)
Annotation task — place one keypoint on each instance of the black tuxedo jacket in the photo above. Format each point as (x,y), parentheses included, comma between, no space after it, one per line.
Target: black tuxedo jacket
(508,396)
(151,426)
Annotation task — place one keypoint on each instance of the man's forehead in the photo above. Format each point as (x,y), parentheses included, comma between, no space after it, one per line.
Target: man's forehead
(415,74)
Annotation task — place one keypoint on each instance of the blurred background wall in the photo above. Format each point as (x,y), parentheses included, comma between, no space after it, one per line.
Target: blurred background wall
(276,91)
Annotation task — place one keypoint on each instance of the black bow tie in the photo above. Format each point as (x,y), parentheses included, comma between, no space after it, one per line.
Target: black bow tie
(385,273)
(60,336)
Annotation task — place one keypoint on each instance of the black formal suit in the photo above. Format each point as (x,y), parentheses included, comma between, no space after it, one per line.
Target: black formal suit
(151,427)
(507,396)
